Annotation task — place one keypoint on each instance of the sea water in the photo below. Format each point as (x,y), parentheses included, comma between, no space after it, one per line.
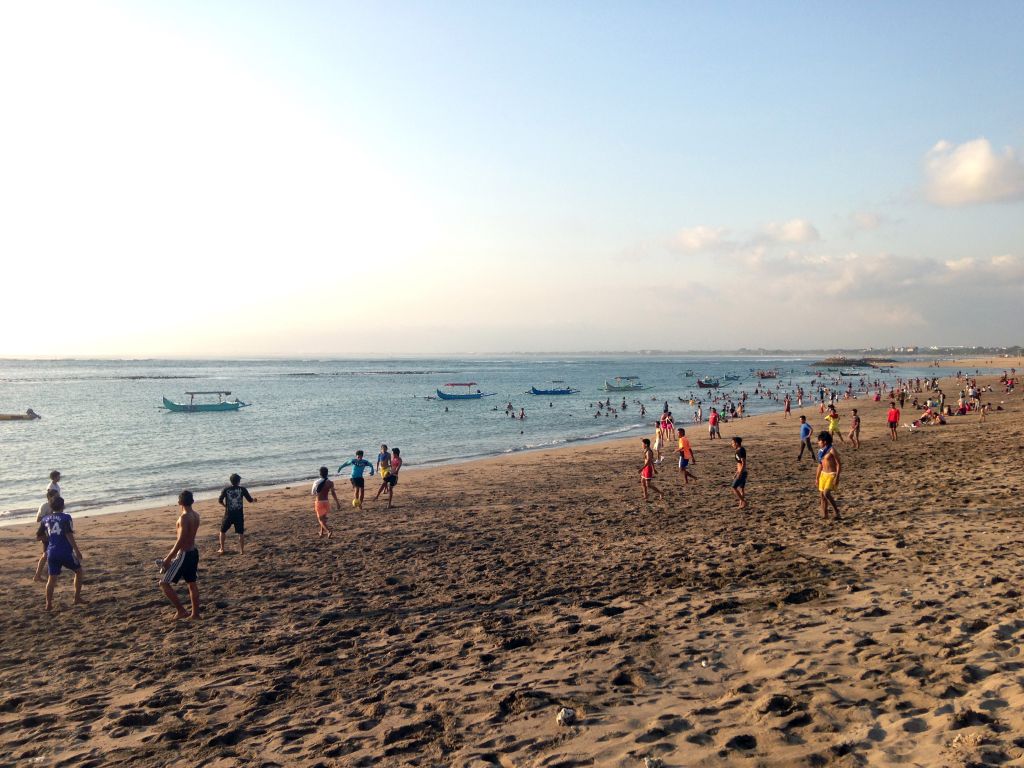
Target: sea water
(103,427)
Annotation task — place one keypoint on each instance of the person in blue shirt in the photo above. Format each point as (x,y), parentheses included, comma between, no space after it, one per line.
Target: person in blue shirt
(61,550)
(359,466)
(805,438)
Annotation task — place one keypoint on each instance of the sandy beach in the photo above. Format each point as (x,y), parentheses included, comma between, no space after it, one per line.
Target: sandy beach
(452,629)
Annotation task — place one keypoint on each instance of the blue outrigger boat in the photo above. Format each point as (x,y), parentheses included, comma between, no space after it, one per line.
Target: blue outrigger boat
(193,407)
(556,391)
(468,396)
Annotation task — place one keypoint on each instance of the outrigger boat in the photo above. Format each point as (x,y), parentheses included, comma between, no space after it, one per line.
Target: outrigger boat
(731,377)
(28,415)
(708,383)
(193,407)
(767,374)
(555,391)
(468,396)
(624,384)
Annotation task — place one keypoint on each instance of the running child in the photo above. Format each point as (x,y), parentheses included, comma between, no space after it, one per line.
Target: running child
(359,466)
(322,490)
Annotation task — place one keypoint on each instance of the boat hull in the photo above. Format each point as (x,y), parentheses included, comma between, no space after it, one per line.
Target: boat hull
(609,387)
(17,417)
(203,407)
(471,396)
(708,384)
(546,392)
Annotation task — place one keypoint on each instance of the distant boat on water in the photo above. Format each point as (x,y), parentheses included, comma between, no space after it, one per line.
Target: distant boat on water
(555,391)
(452,394)
(193,407)
(28,415)
(708,383)
(624,384)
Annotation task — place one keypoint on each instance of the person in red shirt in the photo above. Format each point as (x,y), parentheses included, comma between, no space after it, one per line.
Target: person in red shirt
(713,429)
(893,418)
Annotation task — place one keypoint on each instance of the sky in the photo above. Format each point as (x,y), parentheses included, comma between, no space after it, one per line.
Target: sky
(333,178)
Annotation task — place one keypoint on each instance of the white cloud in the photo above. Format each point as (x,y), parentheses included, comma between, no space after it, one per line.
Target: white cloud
(972,172)
(700,239)
(792,231)
(867,220)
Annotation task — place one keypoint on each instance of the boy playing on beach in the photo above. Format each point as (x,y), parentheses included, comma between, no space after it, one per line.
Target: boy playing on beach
(647,471)
(713,420)
(739,483)
(685,451)
(832,419)
(855,429)
(893,417)
(61,550)
(383,468)
(54,482)
(323,488)
(827,476)
(182,562)
(233,499)
(44,510)
(359,465)
(805,438)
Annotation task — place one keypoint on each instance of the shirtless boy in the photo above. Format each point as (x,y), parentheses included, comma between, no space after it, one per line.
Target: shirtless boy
(182,562)
(855,429)
(323,489)
(647,471)
(827,476)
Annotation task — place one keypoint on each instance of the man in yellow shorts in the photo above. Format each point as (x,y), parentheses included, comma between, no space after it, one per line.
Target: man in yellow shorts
(827,476)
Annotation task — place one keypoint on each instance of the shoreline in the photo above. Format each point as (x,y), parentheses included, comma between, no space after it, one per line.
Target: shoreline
(451,629)
(757,422)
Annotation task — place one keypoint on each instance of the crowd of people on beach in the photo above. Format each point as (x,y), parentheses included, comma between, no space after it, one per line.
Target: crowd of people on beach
(61,550)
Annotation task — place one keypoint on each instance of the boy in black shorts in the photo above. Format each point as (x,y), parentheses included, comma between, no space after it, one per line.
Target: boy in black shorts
(739,483)
(233,499)
(182,562)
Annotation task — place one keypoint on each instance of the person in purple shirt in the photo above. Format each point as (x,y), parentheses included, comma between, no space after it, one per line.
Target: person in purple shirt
(61,550)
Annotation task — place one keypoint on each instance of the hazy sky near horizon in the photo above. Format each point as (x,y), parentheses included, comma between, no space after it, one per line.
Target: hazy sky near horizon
(249,178)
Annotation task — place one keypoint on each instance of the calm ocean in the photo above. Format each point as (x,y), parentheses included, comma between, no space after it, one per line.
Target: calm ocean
(103,428)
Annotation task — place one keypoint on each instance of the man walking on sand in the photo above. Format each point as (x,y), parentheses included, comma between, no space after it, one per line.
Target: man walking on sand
(323,489)
(182,562)
(61,550)
(44,510)
(893,419)
(805,438)
(739,483)
(685,451)
(827,475)
(233,500)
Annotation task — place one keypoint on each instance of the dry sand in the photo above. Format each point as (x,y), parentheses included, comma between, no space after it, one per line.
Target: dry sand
(451,630)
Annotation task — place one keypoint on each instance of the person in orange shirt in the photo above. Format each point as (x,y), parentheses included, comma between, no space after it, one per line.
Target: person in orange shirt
(685,452)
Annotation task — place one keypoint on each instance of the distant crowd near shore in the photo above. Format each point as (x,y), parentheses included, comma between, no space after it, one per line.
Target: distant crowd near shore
(60,549)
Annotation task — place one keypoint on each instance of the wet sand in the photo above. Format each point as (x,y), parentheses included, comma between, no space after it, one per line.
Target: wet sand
(452,629)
